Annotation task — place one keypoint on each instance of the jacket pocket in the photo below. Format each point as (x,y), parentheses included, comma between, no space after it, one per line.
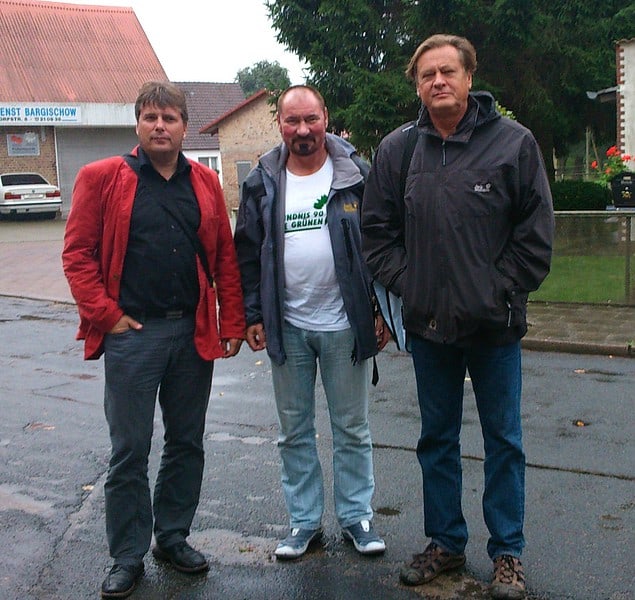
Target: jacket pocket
(517,308)
(206,336)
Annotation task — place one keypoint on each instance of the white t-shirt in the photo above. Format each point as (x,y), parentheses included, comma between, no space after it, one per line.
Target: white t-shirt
(312,294)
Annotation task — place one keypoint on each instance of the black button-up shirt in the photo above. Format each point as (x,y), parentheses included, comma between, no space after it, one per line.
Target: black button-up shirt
(159,273)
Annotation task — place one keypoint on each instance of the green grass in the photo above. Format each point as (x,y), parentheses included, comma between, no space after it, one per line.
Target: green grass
(587,279)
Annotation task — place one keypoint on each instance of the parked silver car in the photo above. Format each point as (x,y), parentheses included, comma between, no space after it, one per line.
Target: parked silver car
(28,193)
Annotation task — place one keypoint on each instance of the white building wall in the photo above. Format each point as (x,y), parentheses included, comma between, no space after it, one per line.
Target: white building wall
(108,115)
(626,98)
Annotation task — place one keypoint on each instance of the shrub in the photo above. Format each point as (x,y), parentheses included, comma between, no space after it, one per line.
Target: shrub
(579,195)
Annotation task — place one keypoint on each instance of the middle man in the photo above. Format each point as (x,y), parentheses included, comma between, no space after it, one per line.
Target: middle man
(309,301)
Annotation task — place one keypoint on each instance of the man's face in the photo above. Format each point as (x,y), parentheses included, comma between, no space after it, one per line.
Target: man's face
(160,130)
(443,84)
(302,123)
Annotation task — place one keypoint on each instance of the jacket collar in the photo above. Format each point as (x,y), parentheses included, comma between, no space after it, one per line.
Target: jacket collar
(345,172)
(481,109)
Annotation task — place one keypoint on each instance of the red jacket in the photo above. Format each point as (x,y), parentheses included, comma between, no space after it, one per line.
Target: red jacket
(95,243)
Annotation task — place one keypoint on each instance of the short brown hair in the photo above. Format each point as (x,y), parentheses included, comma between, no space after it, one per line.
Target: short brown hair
(309,88)
(161,94)
(467,53)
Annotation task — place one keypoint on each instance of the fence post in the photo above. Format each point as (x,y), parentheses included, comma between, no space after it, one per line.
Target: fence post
(627,262)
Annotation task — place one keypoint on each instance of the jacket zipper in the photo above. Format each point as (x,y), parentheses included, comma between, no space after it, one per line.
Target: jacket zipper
(442,256)
(346,226)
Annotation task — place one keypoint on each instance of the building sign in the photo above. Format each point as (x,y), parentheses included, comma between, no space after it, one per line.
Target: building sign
(40,114)
(23,144)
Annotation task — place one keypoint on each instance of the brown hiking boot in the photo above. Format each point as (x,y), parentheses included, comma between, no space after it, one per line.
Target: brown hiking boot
(509,578)
(430,563)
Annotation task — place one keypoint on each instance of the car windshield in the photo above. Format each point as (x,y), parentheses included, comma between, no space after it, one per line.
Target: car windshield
(23,179)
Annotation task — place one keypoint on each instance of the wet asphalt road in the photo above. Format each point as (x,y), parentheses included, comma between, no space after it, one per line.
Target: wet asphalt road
(54,451)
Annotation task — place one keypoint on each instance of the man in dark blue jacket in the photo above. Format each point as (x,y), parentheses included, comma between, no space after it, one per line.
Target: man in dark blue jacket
(309,301)
(463,240)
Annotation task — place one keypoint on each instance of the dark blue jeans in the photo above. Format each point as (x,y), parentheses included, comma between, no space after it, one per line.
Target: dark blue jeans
(160,357)
(495,372)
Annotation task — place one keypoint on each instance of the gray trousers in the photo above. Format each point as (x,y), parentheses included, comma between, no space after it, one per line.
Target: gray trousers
(159,358)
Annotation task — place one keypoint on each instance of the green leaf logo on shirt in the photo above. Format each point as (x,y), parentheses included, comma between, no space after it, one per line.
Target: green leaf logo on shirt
(321,202)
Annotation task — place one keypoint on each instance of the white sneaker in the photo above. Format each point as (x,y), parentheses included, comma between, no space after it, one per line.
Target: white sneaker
(364,538)
(297,542)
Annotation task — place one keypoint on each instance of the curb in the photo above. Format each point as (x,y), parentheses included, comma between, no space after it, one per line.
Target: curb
(527,343)
(38,298)
(546,345)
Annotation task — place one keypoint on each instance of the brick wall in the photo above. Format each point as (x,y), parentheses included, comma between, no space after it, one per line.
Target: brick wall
(245,136)
(44,164)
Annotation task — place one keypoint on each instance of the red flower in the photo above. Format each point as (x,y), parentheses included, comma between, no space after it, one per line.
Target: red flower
(614,164)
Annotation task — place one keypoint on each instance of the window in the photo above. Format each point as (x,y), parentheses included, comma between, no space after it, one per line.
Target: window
(242,170)
(209,161)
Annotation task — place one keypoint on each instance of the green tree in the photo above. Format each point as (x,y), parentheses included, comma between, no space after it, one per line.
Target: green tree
(356,54)
(263,75)
(538,58)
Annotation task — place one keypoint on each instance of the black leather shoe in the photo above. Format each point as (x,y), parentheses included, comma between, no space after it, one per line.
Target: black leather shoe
(182,557)
(121,581)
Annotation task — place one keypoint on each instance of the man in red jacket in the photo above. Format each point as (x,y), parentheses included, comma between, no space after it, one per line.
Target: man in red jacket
(148,254)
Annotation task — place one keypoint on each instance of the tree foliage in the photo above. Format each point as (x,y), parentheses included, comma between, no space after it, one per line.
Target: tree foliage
(538,58)
(263,75)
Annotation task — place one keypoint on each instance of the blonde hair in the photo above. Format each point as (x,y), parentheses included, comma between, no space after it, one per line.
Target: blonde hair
(467,53)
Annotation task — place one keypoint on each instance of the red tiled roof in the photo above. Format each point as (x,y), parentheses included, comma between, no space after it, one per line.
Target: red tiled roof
(205,102)
(54,52)
(212,127)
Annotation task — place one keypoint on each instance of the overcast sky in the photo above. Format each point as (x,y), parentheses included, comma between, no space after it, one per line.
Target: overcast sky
(199,40)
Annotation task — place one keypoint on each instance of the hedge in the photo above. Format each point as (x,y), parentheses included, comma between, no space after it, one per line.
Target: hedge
(579,195)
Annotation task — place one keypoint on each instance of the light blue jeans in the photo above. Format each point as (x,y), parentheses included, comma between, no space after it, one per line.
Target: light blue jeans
(496,379)
(346,388)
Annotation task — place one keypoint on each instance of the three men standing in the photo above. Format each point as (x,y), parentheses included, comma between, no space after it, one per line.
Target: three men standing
(463,242)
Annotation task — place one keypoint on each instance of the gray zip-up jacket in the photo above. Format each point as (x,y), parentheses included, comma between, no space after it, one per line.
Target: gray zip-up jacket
(472,235)
(259,240)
